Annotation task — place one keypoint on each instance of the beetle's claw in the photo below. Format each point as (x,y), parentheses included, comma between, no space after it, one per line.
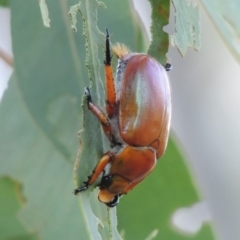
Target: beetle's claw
(108,56)
(168,66)
(81,189)
(88,94)
(107,33)
(114,202)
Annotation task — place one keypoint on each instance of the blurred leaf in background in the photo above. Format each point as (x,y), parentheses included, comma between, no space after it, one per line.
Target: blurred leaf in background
(151,205)
(4,3)
(11,201)
(226,18)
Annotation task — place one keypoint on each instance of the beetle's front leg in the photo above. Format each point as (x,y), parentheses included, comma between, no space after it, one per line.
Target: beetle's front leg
(96,172)
(99,114)
(110,87)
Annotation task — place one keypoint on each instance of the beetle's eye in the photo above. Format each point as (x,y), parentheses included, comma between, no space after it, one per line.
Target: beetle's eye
(106,181)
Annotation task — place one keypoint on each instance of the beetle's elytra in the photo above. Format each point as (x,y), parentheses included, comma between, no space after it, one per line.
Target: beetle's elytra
(137,122)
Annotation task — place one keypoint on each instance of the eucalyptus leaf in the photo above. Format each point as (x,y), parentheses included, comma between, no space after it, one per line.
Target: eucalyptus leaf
(187,26)
(27,154)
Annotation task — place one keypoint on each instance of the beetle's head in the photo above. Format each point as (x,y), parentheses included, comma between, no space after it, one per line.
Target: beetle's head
(106,181)
(110,199)
(114,202)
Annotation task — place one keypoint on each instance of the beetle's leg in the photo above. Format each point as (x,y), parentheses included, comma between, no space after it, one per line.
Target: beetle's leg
(100,167)
(98,113)
(96,172)
(168,66)
(110,88)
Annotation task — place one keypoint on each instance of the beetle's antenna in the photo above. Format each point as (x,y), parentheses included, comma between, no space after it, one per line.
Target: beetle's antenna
(108,56)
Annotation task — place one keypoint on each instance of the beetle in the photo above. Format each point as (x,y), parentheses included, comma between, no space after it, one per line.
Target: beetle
(136,122)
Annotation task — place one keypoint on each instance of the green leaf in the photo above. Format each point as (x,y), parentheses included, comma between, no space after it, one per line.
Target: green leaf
(92,128)
(187,26)
(226,18)
(27,154)
(40,118)
(160,17)
(166,189)
(11,200)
